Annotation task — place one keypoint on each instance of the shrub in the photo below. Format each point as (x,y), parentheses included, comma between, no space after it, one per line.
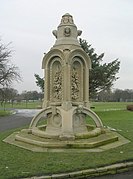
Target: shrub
(130,107)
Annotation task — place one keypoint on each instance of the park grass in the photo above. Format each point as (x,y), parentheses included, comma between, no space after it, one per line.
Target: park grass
(22,105)
(4,113)
(108,106)
(17,163)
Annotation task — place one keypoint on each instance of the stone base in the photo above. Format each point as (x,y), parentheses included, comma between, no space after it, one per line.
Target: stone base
(39,144)
(55,133)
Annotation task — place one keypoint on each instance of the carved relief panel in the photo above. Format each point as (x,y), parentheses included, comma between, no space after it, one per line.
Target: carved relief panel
(55,80)
(77,80)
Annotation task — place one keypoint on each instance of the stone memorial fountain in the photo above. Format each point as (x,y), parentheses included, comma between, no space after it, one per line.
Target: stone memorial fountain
(61,124)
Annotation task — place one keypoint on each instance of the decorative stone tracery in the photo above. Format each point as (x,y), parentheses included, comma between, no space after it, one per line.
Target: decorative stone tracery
(75,84)
(67,19)
(57,85)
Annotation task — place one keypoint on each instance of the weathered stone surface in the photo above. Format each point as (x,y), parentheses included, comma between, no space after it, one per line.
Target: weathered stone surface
(64,175)
(76,174)
(89,172)
(129,164)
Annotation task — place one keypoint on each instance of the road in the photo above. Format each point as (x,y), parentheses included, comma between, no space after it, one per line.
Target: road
(24,117)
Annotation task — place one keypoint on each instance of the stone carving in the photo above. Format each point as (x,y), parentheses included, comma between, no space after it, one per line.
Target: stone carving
(67,31)
(56,120)
(67,18)
(54,33)
(75,84)
(57,85)
(79,32)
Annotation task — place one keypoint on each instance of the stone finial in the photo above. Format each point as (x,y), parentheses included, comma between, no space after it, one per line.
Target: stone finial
(67,19)
(67,32)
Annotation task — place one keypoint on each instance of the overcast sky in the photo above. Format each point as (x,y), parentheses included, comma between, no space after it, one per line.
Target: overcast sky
(106,24)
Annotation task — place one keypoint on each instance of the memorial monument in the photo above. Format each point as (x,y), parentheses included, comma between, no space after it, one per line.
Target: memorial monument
(66,99)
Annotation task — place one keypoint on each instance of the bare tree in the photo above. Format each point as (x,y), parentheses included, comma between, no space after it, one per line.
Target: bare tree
(8,71)
(8,95)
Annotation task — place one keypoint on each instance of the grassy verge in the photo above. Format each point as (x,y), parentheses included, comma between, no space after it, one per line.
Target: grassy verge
(16,162)
(4,113)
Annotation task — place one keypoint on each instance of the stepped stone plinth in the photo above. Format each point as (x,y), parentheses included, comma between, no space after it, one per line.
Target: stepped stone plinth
(66,99)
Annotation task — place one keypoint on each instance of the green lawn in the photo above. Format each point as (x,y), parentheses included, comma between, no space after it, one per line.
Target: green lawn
(16,162)
(4,113)
(22,105)
(106,106)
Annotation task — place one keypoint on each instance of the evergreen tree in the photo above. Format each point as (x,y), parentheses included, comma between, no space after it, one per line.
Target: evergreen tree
(39,82)
(102,75)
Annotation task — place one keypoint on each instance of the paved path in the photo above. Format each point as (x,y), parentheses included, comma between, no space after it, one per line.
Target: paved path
(19,119)
(24,117)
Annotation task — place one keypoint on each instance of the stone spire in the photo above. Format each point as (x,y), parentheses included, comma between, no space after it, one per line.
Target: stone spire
(67,33)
